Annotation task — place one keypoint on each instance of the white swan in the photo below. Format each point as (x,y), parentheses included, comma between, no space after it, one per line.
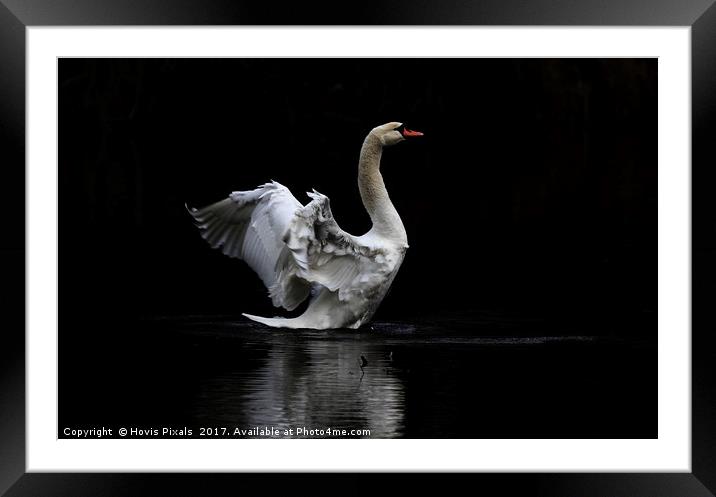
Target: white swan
(300,250)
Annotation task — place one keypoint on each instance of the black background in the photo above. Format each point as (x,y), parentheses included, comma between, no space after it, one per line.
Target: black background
(533,190)
(530,207)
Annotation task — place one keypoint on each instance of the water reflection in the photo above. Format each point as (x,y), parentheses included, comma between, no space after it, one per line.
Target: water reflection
(311,380)
(469,378)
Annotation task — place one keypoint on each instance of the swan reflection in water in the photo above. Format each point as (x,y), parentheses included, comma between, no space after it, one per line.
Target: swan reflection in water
(311,380)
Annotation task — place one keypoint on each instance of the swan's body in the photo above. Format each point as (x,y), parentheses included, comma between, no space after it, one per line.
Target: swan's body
(300,251)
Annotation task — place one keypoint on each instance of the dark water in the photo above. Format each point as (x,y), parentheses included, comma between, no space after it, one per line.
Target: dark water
(422,380)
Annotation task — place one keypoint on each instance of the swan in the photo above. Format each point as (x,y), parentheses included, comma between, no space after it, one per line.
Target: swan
(299,251)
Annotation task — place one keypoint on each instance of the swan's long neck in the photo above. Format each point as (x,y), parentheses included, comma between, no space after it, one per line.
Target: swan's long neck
(386,221)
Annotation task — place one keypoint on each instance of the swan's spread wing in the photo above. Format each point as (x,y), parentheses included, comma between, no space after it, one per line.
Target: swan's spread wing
(252,226)
(290,246)
(327,255)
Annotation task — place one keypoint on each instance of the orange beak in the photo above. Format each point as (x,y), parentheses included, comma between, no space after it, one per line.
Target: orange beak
(409,132)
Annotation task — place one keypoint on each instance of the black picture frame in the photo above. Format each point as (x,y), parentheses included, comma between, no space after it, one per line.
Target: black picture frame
(16,15)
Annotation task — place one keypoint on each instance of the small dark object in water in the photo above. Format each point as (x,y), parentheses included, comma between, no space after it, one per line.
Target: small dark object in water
(363,362)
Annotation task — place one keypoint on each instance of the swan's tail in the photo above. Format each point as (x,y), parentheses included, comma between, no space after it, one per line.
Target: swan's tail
(273,322)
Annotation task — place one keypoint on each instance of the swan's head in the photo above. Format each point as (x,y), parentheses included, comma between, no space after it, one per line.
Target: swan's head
(393,133)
